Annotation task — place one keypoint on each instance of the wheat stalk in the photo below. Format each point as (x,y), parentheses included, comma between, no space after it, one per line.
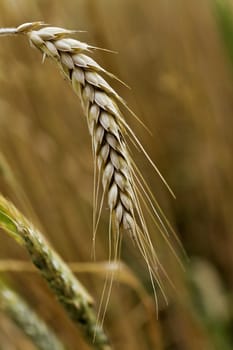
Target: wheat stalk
(122,183)
(27,320)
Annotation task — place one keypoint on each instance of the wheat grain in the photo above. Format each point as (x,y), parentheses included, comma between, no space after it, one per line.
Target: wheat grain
(121,181)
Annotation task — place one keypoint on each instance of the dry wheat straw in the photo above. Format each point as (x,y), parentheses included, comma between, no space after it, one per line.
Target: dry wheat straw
(122,182)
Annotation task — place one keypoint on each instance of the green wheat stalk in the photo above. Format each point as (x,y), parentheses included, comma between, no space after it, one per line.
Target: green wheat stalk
(27,320)
(68,290)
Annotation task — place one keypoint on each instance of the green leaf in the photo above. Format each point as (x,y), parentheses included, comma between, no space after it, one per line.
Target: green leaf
(224,16)
(8,224)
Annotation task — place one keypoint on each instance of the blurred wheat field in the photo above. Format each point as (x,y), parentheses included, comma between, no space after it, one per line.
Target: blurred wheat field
(176,58)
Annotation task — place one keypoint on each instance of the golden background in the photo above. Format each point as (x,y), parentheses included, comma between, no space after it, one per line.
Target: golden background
(177,58)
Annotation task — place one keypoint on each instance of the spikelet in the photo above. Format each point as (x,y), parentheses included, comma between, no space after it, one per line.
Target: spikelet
(122,183)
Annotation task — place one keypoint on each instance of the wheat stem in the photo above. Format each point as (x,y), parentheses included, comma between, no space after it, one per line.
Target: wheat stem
(27,320)
(8,31)
(68,290)
(124,274)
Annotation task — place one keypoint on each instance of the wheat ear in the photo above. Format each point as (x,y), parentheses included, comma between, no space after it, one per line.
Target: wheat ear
(122,183)
(27,320)
(68,290)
